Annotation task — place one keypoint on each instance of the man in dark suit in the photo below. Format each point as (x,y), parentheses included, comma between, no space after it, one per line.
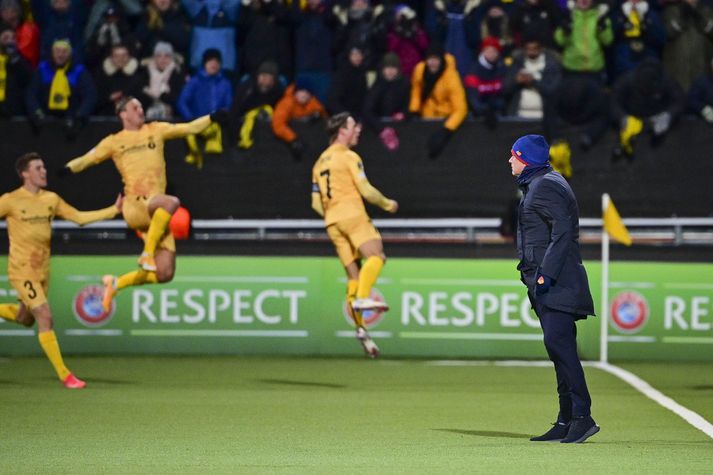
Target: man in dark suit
(551,268)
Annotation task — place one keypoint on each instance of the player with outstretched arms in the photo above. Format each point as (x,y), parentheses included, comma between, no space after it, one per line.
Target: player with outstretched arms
(137,152)
(339,186)
(29,211)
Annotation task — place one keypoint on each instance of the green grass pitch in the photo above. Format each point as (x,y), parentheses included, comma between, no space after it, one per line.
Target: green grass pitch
(303,415)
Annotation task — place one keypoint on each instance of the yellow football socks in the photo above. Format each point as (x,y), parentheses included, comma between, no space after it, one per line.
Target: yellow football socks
(137,277)
(352,286)
(48,342)
(367,276)
(633,126)
(8,311)
(157,228)
(213,136)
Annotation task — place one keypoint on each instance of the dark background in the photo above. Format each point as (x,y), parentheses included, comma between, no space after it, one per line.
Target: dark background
(471,178)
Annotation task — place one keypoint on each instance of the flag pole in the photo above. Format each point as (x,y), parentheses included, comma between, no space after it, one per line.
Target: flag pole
(604,333)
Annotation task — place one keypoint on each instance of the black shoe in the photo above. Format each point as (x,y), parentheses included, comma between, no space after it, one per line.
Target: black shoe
(556,434)
(580,429)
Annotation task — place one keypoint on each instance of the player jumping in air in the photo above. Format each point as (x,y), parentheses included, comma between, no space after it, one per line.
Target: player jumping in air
(137,152)
(338,186)
(29,211)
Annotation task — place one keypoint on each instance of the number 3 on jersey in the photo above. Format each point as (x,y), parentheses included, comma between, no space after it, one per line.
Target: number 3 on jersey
(327,183)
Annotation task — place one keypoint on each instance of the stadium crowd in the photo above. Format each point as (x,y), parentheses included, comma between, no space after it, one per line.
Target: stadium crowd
(633,65)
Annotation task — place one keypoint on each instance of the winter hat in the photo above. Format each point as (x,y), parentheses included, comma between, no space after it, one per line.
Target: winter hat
(532,150)
(491,41)
(392,60)
(403,10)
(268,67)
(304,84)
(212,53)
(62,43)
(163,47)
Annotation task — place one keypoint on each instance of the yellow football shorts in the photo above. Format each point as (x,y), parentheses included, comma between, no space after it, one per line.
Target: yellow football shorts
(348,235)
(32,292)
(136,214)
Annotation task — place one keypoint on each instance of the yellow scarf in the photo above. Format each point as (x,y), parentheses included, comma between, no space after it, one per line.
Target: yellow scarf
(3,76)
(635,30)
(60,91)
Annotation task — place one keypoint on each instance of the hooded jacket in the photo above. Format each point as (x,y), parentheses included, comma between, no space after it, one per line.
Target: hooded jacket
(447,100)
(288,108)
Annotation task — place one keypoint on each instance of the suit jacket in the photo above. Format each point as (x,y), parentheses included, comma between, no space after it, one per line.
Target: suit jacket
(548,243)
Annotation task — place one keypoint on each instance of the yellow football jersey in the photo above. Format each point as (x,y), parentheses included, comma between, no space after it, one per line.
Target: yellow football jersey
(336,174)
(138,155)
(29,227)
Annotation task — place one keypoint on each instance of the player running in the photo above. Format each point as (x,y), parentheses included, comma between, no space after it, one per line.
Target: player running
(29,211)
(137,152)
(338,186)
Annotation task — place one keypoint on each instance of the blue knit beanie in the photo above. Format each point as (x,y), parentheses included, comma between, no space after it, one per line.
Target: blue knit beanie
(532,150)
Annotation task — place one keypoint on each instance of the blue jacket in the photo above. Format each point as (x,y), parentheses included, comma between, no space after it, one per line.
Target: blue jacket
(84,94)
(205,94)
(548,243)
(214,26)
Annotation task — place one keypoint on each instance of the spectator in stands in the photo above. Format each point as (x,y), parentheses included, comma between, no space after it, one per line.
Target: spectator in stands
(298,102)
(60,19)
(387,98)
(264,29)
(255,96)
(583,35)
(130,10)
(27,34)
(645,98)
(639,33)
(348,89)
(160,81)
(407,39)
(214,26)
(15,74)
(61,88)
(700,97)
(495,23)
(458,28)
(164,21)
(437,93)
(313,26)
(578,101)
(532,79)
(484,82)
(115,79)
(536,18)
(207,92)
(689,47)
(113,30)
(363,25)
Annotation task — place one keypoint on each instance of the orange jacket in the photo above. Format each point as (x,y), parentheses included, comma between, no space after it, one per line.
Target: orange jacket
(447,98)
(288,108)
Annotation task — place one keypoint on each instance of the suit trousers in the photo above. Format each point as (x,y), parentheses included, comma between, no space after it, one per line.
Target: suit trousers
(560,337)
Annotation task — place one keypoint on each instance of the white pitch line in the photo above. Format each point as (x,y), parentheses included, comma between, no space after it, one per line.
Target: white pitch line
(693,418)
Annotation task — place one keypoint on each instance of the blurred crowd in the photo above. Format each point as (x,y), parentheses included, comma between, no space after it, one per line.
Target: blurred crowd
(635,66)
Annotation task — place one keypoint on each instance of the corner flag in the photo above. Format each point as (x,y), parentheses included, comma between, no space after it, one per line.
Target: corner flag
(615,226)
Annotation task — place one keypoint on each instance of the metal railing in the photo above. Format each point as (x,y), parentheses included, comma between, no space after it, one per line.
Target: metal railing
(672,231)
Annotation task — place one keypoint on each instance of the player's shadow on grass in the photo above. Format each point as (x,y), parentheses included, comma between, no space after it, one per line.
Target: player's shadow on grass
(703,387)
(487,433)
(313,384)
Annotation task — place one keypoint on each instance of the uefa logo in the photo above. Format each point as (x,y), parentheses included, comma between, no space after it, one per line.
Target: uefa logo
(629,312)
(88,309)
(371,317)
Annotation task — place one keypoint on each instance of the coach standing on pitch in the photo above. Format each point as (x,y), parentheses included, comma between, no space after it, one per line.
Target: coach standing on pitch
(551,268)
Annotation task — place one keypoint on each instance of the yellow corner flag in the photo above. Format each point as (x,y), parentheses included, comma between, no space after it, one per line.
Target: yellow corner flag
(615,226)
